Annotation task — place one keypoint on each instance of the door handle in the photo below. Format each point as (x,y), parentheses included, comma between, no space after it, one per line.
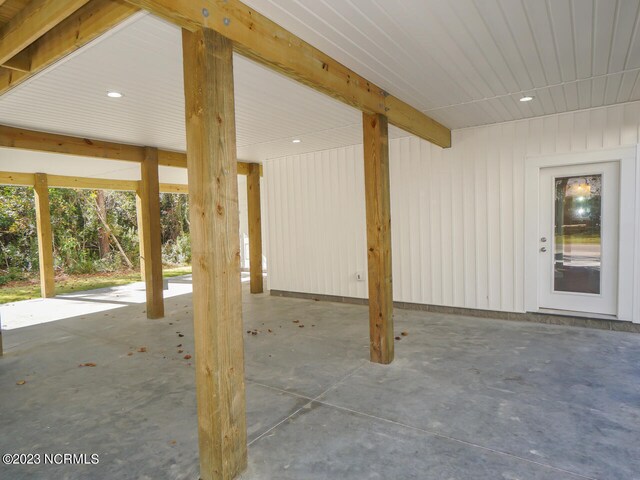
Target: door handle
(543,249)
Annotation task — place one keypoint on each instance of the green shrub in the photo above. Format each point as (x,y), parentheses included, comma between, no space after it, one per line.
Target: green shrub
(178,251)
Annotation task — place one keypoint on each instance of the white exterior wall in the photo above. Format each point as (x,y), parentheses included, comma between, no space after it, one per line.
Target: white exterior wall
(457,215)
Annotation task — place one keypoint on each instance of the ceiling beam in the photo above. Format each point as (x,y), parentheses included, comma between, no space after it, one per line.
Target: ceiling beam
(17,179)
(20,62)
(12,137)
(174,188)
(257,37)
(78,29)
(61,181)
(33,21)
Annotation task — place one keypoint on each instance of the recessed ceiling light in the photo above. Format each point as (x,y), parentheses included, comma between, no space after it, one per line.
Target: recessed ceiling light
(526,98)
(297,140)
(113,94)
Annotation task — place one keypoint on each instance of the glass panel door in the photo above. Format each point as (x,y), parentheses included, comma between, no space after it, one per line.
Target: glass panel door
(578,243)
(577,235)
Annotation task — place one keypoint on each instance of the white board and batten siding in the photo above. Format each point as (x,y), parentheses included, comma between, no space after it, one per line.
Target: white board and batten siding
(457,215)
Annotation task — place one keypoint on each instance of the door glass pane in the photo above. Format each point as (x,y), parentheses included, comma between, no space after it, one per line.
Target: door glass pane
(577,249)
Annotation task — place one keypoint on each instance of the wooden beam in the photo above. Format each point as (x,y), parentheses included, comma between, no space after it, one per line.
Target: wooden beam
(18,179)
(10,8)
(215,244)
(81,27)
(12,137)
(168,158)
(149,231)
(378,207)
(33,21)
(20,62)
(45,237)
(173,188)
(244,168)
(255,36)
(255,229)
(61,181)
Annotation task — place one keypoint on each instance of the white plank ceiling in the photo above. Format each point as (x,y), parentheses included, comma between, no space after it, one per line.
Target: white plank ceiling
(467,62)
(464,62)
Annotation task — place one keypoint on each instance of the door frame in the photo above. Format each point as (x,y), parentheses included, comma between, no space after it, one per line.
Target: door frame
(629,224)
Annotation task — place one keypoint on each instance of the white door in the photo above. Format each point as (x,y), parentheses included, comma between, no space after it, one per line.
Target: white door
(578,244)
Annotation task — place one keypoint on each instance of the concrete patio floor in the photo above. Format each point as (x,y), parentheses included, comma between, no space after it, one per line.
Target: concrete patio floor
(466,398)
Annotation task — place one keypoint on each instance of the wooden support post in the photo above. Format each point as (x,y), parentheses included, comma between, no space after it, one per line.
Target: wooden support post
(255,229)
(215,244)
(377,198)
(149,232)
(45,237)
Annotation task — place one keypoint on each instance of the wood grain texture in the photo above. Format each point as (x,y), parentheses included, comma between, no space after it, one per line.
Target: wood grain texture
(20,62)
(12,137)
(262,40)
(378,208)
(244,168)
(75,31)
(149,230)
(63,181)
(174,188)
(10,8)
(168,158)
(255,229)
(33,21)
(215,243)
(18,179)
(45,236)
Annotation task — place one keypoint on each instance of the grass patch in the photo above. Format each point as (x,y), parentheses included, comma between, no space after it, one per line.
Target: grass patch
(577,239)
(28,289)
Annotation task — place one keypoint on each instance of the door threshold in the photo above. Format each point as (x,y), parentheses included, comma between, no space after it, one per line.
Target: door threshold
(572,313)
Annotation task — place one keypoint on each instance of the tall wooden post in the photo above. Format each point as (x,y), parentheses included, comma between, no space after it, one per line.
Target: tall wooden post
(255,229)
(215,244)
(149,232)
(45,237)
(378,206)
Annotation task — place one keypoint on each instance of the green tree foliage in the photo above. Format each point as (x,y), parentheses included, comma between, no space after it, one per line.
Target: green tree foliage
(18,242)
(76,225)
(176,243)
